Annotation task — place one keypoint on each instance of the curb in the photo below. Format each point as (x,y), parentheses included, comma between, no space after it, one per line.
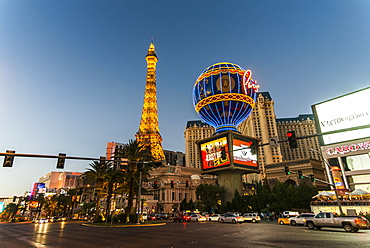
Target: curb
(130,225)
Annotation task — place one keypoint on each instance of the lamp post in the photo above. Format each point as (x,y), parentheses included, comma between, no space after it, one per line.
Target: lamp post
(331,183)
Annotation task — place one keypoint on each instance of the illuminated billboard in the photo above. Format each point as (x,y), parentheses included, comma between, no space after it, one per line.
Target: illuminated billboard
(229,150)
(37,188)
(350,112)
(245,152)
(214,153)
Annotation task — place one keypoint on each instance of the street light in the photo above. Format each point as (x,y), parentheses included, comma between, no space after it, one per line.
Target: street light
(331,183)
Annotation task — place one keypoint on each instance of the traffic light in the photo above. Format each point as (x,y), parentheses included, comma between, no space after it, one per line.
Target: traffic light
(313,179)
(172,184)
(292,139)
(286,168)
(300,174)
(103,160)
(8,159)
(61,161)
(155,185)
(187,184)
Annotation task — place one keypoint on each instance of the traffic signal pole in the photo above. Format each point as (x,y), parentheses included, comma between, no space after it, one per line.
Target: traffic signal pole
(47,156)
(61,158)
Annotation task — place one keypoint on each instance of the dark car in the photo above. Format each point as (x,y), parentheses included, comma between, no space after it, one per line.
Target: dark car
(163,216)
(152,217)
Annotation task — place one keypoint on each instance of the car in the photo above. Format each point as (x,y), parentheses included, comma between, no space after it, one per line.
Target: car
(163,216)
(42,221)
(144,216)
(214,217)
(186,217)
(152,217)
(197,217)
(283,221)
(54,219)
(254,217)
(300,220)
(290,214)
(182,218)
(232,217)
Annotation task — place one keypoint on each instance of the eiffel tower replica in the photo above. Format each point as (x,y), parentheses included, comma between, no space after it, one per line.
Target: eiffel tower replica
(148,133)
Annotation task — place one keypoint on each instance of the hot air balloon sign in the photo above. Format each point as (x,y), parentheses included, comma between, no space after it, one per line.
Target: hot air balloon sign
(224,95)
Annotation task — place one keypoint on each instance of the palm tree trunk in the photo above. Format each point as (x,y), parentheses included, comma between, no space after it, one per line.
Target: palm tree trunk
(131,193)
(130,198)
(109,196)
(97,208)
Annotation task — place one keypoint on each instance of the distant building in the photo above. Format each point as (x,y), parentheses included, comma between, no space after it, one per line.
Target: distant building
(195,131)
(55,181)
(171,185)
(303,125)
(111,152)
(174,158)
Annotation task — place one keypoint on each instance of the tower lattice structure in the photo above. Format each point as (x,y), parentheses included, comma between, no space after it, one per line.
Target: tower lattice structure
(148,133)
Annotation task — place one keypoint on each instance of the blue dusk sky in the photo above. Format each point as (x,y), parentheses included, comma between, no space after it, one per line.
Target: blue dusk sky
(72,73)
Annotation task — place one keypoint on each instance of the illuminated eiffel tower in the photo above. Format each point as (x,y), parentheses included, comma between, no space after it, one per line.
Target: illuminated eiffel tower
(148,133)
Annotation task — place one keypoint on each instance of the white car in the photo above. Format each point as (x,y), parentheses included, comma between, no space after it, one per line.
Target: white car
(300,219)
(254,217)
(214,217)
(233,218)
(41,221)
(197,217)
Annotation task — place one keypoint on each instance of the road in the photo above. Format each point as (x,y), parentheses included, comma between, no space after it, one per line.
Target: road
(177,235)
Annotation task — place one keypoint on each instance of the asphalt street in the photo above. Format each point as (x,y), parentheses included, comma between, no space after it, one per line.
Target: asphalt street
(177,235)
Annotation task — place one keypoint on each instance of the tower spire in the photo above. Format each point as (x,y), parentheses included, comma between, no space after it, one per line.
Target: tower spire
(148,133)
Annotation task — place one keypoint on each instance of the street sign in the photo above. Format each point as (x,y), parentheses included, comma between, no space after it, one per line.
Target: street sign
(274,142)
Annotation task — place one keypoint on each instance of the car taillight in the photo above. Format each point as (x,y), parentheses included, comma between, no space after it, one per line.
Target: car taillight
(358,221)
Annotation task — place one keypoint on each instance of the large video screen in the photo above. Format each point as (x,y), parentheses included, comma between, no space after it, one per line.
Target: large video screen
(348,111)
(245,153)
(215,153)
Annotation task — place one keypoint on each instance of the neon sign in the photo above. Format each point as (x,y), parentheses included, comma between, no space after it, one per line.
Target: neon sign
(248,83)
(347,149)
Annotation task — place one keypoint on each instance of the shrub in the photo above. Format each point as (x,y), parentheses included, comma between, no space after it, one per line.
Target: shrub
(122,218)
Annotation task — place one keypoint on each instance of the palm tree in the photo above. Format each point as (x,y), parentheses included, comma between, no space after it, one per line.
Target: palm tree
(12,209)
(98,171)
(138,158)
(111,178)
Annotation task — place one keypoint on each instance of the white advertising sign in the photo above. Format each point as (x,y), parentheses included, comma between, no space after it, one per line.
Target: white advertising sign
(344,112)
